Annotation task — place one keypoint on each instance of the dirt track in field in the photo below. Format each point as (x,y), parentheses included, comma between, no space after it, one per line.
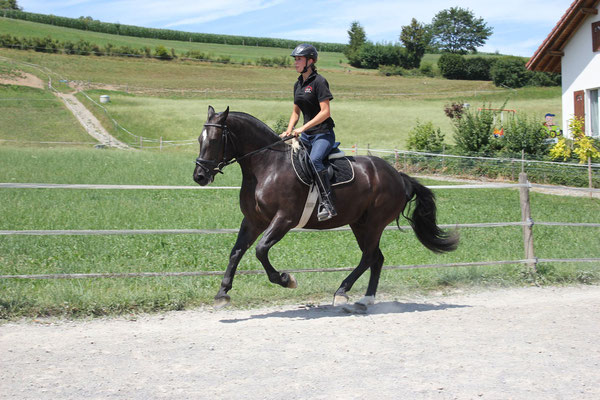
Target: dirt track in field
(526,343)
(87,120)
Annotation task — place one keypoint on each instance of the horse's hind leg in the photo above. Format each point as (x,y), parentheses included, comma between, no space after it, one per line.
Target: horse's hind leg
(368,241)
(369,297)
(275,232)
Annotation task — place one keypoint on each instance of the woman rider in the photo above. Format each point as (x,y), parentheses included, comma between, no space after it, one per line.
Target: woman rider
(312,97)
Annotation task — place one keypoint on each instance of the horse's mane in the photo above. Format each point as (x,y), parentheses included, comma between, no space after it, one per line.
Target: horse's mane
(249,119)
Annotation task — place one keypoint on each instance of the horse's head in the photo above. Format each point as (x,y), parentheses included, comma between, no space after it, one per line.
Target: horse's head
(213,142)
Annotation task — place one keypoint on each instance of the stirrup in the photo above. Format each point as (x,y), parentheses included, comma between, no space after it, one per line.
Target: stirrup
(326,211)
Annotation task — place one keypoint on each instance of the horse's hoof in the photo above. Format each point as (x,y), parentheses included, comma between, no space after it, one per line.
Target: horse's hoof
(340,299)
(292,282)
(221,302)
(366,301)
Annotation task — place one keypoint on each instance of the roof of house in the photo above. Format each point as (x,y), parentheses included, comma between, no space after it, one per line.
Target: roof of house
(547,56)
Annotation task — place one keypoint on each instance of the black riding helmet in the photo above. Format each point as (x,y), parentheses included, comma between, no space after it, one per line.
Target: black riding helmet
(306,50)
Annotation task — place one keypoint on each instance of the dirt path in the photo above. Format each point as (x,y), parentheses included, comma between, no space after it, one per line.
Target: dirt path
(89,122)
(529,343)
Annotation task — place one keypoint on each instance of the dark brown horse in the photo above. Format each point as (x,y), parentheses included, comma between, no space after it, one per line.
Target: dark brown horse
(272,200)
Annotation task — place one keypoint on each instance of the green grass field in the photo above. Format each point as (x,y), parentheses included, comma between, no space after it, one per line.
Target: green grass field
(153,98)
(51,121)
(156,99)
(158,209)
(237,54)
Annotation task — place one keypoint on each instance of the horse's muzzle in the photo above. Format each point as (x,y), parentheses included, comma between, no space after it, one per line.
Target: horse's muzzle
(202,175)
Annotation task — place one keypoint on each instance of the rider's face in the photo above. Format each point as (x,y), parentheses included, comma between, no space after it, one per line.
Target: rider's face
(300,63)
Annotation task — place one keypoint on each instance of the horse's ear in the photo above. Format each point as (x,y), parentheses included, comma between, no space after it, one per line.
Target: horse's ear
(223,115)
(211,111)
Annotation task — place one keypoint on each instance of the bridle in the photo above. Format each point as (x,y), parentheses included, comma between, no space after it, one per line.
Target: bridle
(216,167)
(211,166)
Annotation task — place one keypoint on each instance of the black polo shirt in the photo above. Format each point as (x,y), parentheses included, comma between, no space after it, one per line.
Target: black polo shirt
(308,95)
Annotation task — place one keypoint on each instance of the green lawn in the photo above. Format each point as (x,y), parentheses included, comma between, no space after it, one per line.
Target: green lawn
(164,99)
(169,99)
(158,209)
(35,115)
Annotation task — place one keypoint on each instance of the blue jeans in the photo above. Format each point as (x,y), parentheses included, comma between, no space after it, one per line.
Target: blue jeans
(319,147)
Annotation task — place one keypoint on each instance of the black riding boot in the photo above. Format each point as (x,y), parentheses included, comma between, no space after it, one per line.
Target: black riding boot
(326,208)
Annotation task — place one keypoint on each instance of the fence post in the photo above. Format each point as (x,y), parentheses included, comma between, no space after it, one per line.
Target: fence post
(590,176)
(526,217)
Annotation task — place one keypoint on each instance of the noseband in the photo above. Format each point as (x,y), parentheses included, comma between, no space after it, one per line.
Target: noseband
(211,166)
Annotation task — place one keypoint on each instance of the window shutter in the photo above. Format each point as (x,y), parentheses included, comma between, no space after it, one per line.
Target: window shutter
(596,36)
(579,97)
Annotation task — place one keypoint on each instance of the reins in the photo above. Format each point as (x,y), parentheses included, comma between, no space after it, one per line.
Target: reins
(218,167)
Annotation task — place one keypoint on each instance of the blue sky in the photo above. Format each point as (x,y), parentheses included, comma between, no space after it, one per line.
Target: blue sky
(519,26)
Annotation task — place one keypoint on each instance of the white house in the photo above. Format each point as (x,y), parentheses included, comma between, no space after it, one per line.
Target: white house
(573,49)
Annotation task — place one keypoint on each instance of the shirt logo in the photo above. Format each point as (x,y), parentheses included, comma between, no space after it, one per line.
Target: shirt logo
(308,89)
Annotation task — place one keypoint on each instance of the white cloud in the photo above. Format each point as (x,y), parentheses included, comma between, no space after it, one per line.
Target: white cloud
(212,11)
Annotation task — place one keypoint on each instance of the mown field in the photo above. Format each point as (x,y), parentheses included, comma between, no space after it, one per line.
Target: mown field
(156,99)
(160,209)
(153,99)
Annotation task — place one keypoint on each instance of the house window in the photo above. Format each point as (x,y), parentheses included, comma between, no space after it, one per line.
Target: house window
(594,113)
(596,36)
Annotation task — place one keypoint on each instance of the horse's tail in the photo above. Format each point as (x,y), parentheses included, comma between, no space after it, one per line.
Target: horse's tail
(424,219)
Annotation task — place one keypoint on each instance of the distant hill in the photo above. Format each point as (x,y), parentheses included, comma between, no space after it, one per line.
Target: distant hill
(89,24)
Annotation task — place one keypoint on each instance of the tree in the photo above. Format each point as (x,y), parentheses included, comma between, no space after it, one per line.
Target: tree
(415,40)
(358,38)
(9,4)
(456,30)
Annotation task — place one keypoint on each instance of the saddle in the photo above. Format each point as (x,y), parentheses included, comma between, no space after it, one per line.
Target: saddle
(339,167)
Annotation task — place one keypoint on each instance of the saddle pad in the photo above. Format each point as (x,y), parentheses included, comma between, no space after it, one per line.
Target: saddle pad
(342,168)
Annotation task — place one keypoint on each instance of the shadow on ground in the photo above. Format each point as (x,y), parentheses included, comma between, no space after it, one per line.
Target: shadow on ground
(306,312)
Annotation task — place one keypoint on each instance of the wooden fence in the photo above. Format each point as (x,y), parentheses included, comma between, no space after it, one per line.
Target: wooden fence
(526,222)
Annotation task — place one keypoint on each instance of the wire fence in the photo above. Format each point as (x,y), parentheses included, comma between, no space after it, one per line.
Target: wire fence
(526,223)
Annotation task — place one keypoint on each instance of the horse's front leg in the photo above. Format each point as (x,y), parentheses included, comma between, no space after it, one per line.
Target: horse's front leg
(246,236)
(280,225)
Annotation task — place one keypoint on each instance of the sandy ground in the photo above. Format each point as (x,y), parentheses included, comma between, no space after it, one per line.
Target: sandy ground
(526,343)
(23,79)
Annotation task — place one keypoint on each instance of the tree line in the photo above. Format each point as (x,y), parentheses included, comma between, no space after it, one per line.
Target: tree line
(455,33)
(90,24)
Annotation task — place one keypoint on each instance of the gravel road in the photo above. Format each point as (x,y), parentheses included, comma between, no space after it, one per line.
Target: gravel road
(524,343)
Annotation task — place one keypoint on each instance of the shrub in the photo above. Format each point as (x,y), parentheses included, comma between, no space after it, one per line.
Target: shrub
(478,68)
(281,124)
(424,137)
(161,52)
(452,66)
(538,78)
(455,110)
(524,133)
(373,55)
(389,70)
(473,132)
(509,71)
(426,69)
